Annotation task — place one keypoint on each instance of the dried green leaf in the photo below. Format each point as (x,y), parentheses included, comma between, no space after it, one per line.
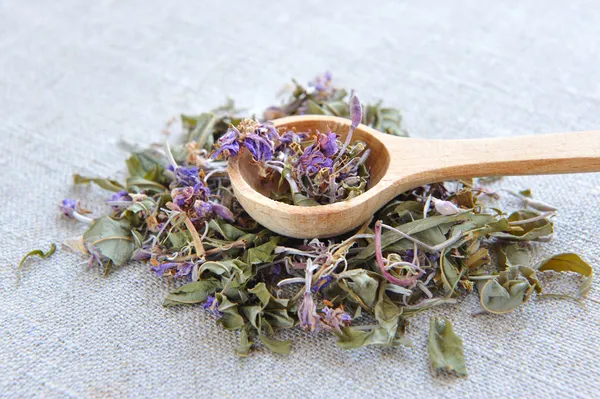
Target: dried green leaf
(282,347)
(112,238)
(145,163)
(233,269)
(246,343)
(137,184)
(190,293)
(479,258)
(507,291)
(37,252)
(267,300)
(178,239)
(445,348)
(107,184)
(302,200)
(531,231)
(450,274)
(361,285)
(202,131)
(570,262)
(351,338)
(262,253)
(226,230)
(231,319)
(513,255)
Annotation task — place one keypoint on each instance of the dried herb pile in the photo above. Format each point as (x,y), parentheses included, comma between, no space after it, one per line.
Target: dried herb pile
(428,247)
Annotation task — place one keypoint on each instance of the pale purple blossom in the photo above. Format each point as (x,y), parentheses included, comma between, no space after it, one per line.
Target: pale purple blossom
(184,176)
(445,208)
(182,269)
(68,207)
(312,161)
(228,144)
(120,201)
(328,143)
(334,319)
(212,305)
(72,209)
(307,313)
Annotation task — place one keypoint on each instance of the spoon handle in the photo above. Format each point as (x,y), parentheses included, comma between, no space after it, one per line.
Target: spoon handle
(575,152)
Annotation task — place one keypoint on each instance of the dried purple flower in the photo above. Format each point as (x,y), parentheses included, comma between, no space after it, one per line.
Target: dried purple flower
(73,210)
(327,143)
(68,207)
(445,208)
(142,254)
(228,144)
(290,137)
(258,138)
(184,197)
(183,268)
(212,305)
(222,211)
(322,283)
(120,200)
(333,319)
(355,112)
(312,161)
(161,269)
(323,85)
(185,176)
(208,210)
(260,148)
(307,313)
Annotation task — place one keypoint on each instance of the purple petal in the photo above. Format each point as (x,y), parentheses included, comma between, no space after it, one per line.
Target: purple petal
(68,207)
(222,211)
(355,111)
(161,269)
(184,269)
(328,143)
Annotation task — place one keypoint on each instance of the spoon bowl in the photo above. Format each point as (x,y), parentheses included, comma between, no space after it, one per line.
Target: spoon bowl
(399,164)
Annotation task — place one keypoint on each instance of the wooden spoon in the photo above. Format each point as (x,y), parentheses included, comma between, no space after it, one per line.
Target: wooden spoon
(400,164)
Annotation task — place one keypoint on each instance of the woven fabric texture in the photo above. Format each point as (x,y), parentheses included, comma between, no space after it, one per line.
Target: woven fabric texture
(77,77)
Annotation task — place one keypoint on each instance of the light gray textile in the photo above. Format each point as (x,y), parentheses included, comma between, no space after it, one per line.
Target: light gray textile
(76,76)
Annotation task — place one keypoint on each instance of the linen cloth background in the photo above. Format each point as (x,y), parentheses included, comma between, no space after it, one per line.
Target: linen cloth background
(76,77)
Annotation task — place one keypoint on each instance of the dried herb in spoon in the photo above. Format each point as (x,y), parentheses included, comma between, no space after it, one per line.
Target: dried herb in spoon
(318,170)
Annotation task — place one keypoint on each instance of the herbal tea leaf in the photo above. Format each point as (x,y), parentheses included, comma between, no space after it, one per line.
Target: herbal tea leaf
(263,253)
(282,347)
(507,291)
(230,319)
(445,348)
(246,343)
(112,238)
(531,231)
(107,184)
(361,286)
(141,163)
(138,184)
(203,128)
(570,262)
(226,230)
(36,252)
(513,255)
(190,293)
